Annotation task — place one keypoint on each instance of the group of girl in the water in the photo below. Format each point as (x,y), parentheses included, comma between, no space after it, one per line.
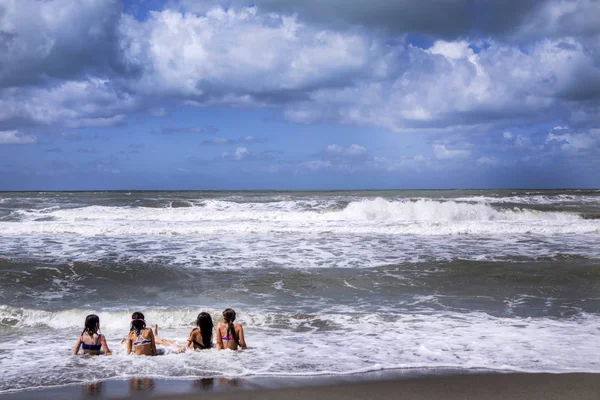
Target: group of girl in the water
(142,341)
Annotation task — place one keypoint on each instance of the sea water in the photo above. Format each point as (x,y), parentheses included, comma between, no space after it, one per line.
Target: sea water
(323,282)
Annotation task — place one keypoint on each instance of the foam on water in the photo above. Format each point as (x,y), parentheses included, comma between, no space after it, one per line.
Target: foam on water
(378,216)
(300,344)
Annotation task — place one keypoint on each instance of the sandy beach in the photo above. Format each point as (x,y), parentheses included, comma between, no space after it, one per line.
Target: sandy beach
(481,386)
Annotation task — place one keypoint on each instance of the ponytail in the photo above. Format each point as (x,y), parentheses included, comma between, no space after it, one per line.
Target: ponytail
(229,317)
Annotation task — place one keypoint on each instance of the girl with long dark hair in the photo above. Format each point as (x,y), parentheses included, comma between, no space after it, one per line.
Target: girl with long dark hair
(230,335)
(201,336)
(91,340)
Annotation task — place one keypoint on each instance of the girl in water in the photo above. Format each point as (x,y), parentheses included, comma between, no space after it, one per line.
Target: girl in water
(139,335)
(91,340)
(230,336)
(140,340)
(201,337)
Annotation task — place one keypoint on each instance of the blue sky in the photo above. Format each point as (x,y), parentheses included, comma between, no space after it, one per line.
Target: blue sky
(278,94)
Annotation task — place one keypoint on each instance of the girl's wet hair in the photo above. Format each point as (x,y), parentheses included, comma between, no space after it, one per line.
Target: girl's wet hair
(205,323)
(229,317)
(91,324)
(138,323)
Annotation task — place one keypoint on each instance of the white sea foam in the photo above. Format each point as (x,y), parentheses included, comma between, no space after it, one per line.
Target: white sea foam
(362,234)
(301,344)
(378,216)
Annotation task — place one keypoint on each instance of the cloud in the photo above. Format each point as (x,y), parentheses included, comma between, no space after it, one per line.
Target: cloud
(211,58)
(190,131)
(41,41)
(218,140)
(352,154)
(483,66)
(16,137)
(243,154)
(251,139)
(87,103)
(489,161)
(221,141)
(448,18)
(572,142)
(442,153)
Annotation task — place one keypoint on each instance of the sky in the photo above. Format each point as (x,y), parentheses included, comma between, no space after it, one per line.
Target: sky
(296,95)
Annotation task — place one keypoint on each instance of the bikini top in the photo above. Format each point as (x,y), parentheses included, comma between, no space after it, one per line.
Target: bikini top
(196,343)
(141,341)
(94,347)
(230,337)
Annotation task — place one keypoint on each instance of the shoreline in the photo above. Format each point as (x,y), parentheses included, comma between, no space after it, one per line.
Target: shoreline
(430,384)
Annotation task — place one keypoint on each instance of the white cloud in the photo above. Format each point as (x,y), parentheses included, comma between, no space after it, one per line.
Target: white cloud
(571,142)
(491,161)
(451,50)
(92,102)
(212,56)
(218,140)
(507,135)
(16,137)
(353,154)
(80,64)
(315,165)
(442,153)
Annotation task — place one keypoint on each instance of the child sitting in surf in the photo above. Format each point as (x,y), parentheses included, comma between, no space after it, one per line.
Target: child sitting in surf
(230,336)
(91,340)
(201,337)
(142,341)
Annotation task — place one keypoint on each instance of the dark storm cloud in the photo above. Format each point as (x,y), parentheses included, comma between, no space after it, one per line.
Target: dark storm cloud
(41,41)
(440,18)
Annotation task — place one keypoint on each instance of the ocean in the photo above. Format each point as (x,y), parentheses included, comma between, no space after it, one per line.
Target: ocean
(324,283)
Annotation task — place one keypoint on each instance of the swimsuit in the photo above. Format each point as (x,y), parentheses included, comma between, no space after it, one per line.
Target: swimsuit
(200,345)
(93,347)
(141,341)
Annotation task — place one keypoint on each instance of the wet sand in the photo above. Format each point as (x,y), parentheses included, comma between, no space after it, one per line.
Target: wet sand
(483,386)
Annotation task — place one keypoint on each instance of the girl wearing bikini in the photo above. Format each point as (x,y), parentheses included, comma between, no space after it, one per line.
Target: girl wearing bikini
(230,336)
(91,340)
(201,337)
(140,340)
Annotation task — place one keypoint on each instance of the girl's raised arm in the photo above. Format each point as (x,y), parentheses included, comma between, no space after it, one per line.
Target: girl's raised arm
(107,351)
(77,346)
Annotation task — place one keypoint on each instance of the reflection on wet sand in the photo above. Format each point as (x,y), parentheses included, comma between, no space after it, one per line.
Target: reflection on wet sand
(137,385)
(92,389)
(204,384)
(208,384)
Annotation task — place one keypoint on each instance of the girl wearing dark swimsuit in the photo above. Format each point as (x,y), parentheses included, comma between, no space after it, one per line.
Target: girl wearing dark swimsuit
(201,337)
(230,336)
(91,340)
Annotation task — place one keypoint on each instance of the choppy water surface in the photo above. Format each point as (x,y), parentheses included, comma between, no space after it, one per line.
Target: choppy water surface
(398,279)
